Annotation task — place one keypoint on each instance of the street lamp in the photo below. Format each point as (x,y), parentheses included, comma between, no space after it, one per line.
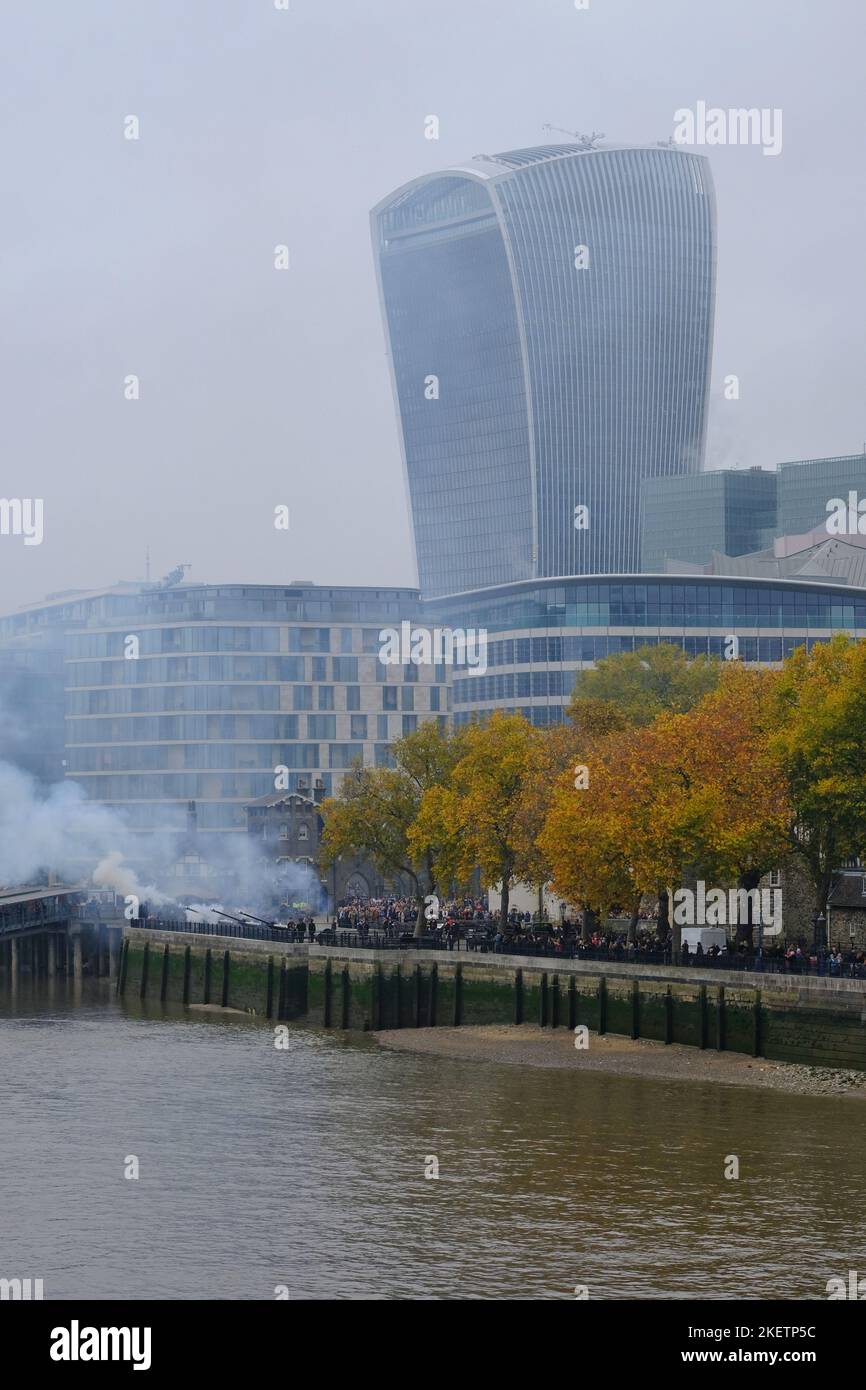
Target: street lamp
(818,923)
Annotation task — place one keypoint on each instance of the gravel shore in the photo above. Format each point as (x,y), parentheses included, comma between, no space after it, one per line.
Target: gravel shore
(531,1046)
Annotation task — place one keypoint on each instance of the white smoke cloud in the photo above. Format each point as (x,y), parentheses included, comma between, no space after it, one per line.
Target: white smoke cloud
(112,872)
(59,830)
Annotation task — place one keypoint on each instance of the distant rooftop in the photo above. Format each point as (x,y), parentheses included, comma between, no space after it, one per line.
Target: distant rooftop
(816,556)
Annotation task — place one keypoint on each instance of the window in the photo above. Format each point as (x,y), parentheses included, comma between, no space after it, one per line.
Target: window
(353,697)
(326,697)
(410,724)
(381,726)
(389,697)
(321,726)
(358,727)
(342,755)
(434,697)
(775,878)
(284,832)
(319,671)
(407,697)
(303,832)
(309,639)
(303,695)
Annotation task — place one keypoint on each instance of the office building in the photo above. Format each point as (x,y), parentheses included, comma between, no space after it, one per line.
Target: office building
(201,693)
(691,516)
(549,319)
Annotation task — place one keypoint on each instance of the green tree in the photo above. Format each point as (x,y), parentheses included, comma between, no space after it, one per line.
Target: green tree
(632,688)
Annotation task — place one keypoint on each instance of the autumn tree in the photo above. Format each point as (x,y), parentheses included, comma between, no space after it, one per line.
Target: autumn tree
(698,792)
(583,836)
(476,821)
(819,739)
(560,750)
(732,811)
(375,808)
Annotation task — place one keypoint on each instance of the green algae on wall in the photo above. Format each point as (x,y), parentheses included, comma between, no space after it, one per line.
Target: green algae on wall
(817,1022)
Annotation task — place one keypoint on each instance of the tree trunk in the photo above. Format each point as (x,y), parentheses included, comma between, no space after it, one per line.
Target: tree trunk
(503,905)
(664,921)
(631,937)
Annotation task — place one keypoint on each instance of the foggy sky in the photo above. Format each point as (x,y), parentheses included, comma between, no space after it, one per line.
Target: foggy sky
(260,127)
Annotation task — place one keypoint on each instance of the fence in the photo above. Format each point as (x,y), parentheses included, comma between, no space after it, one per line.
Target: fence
(398,939)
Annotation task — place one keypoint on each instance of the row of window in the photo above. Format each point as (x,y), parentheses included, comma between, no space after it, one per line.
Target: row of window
(191,728)
(208,637)
(666,604)
(539,715)
(186,757)
(148,670)
(340,756)
(206,786)
(510,685)
(211,815)
(540,650)
(159,699)
(151,670)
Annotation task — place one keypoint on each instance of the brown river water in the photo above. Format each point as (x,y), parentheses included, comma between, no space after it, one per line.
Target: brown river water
(303,1169)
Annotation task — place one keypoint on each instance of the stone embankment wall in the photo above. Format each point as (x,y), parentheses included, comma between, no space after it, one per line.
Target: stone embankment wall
(819,1021)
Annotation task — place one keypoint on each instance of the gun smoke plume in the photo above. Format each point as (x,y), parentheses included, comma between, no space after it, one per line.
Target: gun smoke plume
(58,831)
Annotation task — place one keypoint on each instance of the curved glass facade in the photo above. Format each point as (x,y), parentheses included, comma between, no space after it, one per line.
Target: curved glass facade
(540,635)
(556,386)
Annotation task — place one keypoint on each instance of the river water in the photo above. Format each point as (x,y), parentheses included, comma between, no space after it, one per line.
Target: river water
(303,1169)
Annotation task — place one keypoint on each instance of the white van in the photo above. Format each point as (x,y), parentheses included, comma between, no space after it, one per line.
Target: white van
(707,936)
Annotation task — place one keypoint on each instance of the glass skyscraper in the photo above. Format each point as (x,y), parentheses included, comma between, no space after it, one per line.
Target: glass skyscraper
(549,317)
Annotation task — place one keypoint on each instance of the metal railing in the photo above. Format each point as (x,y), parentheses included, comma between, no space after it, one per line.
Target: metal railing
(402,939)
(249,931)
(35,913)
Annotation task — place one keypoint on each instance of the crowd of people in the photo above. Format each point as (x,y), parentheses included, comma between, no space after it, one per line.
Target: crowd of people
(468,923)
